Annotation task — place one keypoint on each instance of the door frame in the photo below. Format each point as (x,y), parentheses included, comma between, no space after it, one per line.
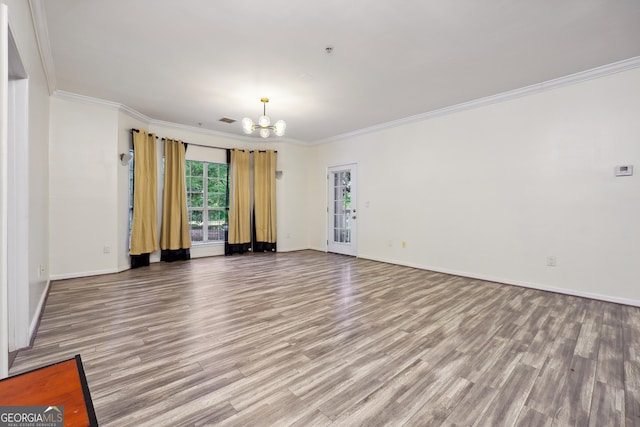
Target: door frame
(352,248)
(14,196)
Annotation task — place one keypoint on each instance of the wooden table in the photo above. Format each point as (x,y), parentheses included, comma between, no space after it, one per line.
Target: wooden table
(62,384)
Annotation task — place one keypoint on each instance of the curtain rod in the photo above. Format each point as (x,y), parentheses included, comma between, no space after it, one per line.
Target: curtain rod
(138,131)
(198,145)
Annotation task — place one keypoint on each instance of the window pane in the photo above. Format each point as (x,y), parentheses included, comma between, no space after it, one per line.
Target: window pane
(195,200)
(194,168)
(217,225)
(195,184)
(213,170)
(342,206)
(346,179)
(217,200)
(131,184)
(195,225)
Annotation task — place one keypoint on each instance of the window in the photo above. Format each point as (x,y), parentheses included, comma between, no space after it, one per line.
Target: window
(207,203)
(342,206)
(131,183)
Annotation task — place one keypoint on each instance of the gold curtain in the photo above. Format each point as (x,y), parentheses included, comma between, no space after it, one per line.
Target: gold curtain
(239,201)
(175,222)
(144,229)
(264,189)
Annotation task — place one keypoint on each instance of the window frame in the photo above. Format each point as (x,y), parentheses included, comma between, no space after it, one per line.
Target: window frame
(205,208)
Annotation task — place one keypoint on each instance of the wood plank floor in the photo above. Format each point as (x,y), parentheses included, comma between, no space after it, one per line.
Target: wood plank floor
(314,339)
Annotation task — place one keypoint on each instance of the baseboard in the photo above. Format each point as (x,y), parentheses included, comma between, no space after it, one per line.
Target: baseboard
(12,357)
(523,284)
(294,249)
(123,268)
(85,274)
(538,286)
(35,322)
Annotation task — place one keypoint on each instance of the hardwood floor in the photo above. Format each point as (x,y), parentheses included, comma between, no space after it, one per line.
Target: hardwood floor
(315,339)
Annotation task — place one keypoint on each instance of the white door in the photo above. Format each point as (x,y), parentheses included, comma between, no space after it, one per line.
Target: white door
(342,223)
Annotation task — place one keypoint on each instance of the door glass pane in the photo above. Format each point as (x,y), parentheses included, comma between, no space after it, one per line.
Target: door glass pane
(341,206)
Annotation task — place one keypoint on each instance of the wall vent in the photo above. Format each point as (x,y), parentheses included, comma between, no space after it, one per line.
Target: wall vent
(227,120)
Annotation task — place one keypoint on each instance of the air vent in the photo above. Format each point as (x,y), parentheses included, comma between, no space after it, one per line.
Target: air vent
(227,120)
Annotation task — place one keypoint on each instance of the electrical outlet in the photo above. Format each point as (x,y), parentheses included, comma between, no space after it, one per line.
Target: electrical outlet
(551,261)
(107,249)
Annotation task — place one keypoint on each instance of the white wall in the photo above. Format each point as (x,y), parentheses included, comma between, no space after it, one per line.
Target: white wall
(38,154)
(492,192)
(293,197)
(83,188)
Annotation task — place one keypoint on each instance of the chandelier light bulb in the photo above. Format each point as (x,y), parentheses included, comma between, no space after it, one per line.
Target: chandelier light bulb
(279,127)
(247,125)
(264,132)
(264,121)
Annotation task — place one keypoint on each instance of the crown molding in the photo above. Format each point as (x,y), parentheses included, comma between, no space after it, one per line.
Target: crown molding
(63,94)
(70,96)
(38,16)
(594,73)
(139,116)
(582,76)
(134,113)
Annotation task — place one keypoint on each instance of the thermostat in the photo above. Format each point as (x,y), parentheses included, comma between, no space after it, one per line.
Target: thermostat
(624,170)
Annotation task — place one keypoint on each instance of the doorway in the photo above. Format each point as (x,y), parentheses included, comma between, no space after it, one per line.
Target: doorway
(342,212)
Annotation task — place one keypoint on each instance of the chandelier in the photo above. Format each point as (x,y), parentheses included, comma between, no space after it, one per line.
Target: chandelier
(264,123)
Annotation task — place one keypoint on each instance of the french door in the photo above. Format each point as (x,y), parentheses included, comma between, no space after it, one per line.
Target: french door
(342,215)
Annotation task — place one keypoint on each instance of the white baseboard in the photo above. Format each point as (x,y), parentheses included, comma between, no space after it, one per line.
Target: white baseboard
(523,284)
(85,274)
(573,292)
(293,249)
(122,268)
(33,327)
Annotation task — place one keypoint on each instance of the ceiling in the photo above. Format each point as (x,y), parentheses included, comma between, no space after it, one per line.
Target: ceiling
(193,62)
